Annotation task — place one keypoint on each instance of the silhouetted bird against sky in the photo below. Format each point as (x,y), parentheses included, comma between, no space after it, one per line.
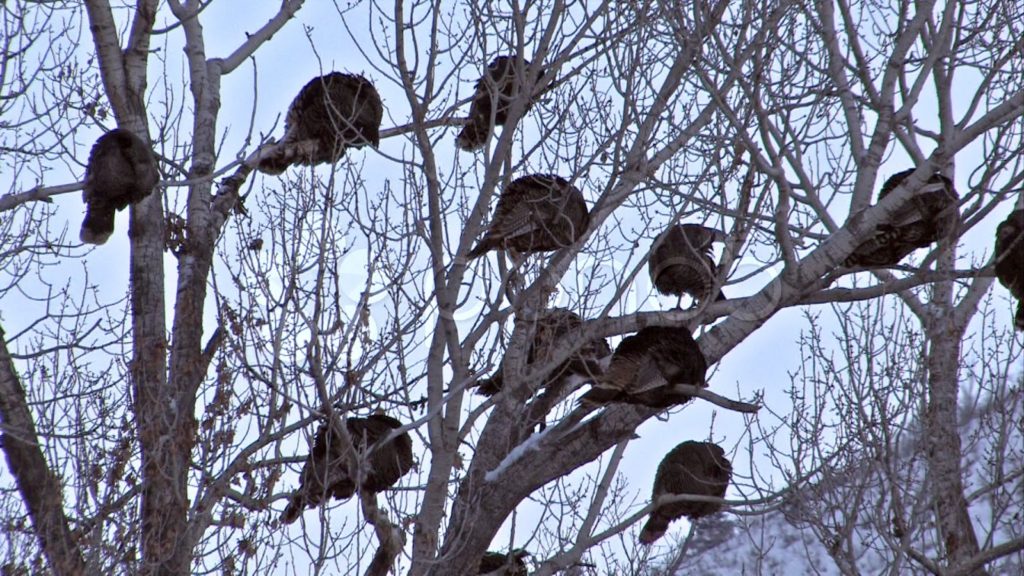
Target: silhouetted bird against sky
(326,472)
(929,215)
(498,564)
(681,261)
(331,113)
(121,171)
(552,328)
(495,92)
(697,468)
(646,366)
(1010,260)
(537,213)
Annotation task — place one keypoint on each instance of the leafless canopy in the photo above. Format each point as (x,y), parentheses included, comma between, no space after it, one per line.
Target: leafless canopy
(310,261)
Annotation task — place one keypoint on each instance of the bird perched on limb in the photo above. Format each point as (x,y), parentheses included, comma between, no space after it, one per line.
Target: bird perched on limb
(929,215)
(501,83)
(553,326)
(694,468)
(681,262)
(498,564)
(327,471)
(1009,257)
(647,366)
(121,171)
(536,213)
(331,114)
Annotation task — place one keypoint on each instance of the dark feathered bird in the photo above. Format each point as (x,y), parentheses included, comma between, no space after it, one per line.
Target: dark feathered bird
(681,261)
(647,365)
(121,171)
(495,92)
(929,215)
(1010,260)
(331,113)
(498,564)
(537,213)
(326,472)
(552,328)
(697,468)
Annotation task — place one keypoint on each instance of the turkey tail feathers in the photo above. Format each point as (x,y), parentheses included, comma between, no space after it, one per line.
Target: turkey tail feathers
(654,529)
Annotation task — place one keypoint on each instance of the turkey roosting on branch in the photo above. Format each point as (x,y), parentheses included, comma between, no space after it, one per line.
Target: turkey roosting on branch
(121,171)
(536,213)
(647,365)
(498,564)
(553,327)
(326,472)
(330,114)
(929,215)
(1009,258)
(697,468)
(495,92)
(681,261)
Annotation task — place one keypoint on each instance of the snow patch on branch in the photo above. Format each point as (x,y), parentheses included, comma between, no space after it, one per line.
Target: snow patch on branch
(515,454)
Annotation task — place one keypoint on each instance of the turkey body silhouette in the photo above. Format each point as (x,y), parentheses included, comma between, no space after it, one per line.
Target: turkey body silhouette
(499,564)
(552,328)
(536,213)
(681,262)
(1009,255)
(929,215)
(331,114)
(494,94)
(121,171)
(697,468)
(647,365)
(326,471)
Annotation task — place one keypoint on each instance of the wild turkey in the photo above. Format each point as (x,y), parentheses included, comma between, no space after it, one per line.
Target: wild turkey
(929,215)
(1009,258)
(331,113)
(681,261)
(537,213)
(554,326)
(326,470)
(498,564)
(647,365)
(495,92)
(697,468)
(121,171)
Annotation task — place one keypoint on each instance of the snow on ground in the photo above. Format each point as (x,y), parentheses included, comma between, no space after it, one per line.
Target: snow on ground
(779,544)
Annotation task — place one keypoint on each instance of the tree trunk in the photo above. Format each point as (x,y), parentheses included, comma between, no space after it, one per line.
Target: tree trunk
(945,332)
(944,448)
(39,488)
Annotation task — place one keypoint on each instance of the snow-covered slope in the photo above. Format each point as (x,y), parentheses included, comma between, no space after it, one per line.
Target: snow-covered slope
(811,532)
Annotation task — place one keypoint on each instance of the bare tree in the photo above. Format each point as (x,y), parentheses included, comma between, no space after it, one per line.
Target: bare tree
(159,428)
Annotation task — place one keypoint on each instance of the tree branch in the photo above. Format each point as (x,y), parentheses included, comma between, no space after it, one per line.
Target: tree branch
(579,547)
(39,487)
(988,555)
(256,39)
(391,540)
(37,194)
